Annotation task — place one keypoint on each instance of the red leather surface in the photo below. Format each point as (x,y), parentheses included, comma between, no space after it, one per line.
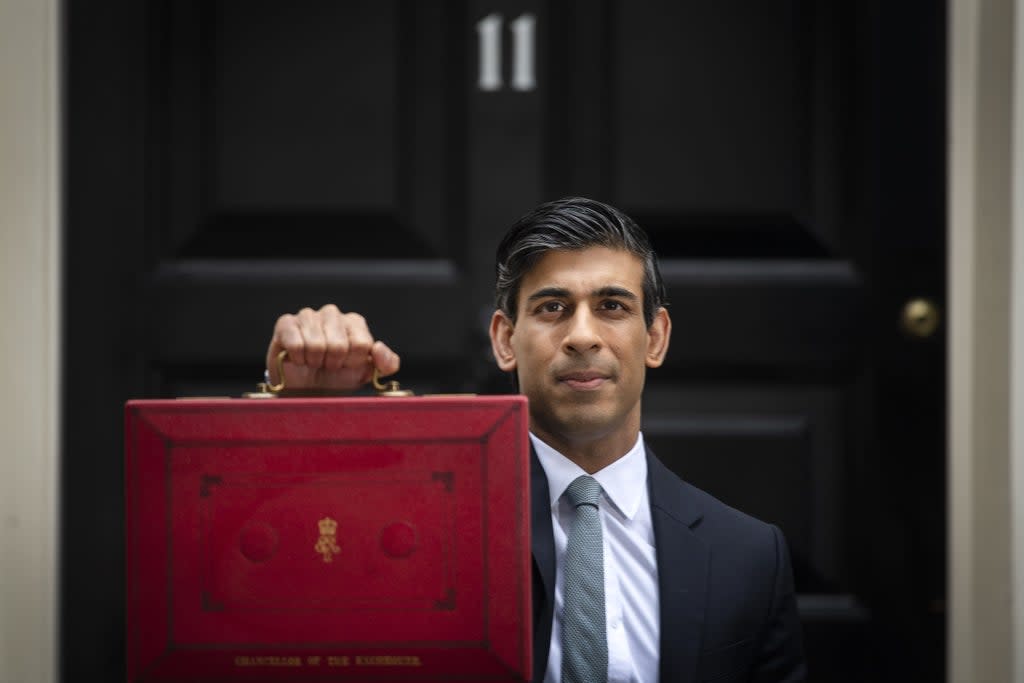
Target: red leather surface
(328,539)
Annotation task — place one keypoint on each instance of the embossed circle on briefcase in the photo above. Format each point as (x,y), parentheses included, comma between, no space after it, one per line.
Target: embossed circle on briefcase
(399,539)
(258,542)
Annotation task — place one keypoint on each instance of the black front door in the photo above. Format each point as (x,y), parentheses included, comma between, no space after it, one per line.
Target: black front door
(230,161)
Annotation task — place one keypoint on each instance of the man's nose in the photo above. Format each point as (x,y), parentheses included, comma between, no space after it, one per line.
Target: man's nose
(583,334)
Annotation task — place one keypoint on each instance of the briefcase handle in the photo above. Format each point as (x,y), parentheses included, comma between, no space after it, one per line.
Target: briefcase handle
(391,388)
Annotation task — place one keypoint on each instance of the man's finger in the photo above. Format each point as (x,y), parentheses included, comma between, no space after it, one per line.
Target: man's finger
(286,337)
(360,341)
(336,338)
(312,337)
(384,359)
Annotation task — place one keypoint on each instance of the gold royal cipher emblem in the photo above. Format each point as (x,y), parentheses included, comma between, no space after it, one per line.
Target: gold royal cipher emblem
(327,546)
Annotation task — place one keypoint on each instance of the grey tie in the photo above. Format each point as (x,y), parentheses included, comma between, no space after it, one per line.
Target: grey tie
(584,640)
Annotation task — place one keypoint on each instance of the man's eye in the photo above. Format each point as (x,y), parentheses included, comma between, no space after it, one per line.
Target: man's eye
(552,307)
(613,306)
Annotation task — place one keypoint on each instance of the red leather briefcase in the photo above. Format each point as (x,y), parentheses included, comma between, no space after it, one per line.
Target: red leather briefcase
(328,539)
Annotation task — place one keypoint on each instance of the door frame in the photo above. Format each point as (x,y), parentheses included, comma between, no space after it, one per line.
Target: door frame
(985,506)
(30,296)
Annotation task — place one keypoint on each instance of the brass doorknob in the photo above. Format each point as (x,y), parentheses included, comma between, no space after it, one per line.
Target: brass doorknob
(920,318)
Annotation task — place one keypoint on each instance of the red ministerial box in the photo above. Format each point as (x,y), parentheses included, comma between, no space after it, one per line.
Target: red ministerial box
(328,539)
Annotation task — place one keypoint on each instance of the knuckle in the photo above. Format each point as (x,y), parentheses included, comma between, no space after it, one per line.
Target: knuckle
(361,341)
(355,318)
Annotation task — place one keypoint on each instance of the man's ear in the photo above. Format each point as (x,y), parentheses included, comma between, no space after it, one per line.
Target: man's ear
(657,338)
(501,341)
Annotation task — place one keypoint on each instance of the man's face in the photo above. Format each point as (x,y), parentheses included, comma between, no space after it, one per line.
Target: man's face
(580,345)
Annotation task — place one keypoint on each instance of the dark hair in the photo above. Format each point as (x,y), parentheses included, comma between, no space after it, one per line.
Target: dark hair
(571,224)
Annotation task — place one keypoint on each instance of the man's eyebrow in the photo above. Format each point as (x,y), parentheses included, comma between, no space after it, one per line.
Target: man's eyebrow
(620,292)
(546,292)
(563,293)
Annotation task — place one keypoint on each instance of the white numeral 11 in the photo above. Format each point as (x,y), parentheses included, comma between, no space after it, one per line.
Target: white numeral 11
(488,30)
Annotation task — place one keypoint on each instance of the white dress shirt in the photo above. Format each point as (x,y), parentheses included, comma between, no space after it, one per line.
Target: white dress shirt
(630,565)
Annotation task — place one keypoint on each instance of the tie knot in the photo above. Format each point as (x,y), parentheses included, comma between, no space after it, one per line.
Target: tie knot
(584,490)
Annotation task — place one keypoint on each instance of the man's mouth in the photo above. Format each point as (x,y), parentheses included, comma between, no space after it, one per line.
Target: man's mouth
(583,380)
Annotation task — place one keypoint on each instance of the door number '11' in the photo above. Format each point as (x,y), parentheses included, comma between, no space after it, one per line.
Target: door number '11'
(488,30)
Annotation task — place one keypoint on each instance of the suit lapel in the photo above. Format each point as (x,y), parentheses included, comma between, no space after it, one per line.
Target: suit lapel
(683,561)
(542,543)
(542,540)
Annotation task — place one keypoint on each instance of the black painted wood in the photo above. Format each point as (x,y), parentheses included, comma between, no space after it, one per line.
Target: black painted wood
(105,53)
(345,202)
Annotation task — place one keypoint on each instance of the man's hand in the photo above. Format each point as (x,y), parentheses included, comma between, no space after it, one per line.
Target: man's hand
(327,349)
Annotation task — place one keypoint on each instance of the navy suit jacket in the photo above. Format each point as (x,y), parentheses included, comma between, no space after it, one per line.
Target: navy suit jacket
(728,610)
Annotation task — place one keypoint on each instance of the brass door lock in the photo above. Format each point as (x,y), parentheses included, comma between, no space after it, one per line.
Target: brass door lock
(920,318)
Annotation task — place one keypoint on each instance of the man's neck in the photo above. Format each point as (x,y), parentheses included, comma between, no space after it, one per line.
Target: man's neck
(594,453)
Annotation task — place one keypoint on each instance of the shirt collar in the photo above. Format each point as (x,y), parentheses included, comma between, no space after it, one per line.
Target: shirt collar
(623,481)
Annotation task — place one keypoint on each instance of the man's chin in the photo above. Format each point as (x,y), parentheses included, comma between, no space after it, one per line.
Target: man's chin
(584,424)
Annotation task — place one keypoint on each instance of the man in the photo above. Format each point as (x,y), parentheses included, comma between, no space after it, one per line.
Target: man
(690,589)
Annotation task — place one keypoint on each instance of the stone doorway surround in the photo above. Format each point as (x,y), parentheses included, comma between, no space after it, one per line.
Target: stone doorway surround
(30,281)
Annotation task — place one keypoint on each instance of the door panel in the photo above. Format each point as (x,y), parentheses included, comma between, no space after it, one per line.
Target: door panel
(743,84)
(309,158)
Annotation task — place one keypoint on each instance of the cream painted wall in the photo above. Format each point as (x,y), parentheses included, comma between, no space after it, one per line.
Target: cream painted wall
(29,347)
(1017,350)
(986,340)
